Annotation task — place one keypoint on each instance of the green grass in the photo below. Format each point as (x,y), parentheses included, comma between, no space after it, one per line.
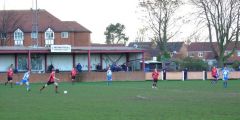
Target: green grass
(173,100)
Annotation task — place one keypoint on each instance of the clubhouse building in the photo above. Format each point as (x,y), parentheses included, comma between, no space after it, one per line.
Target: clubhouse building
(50,41)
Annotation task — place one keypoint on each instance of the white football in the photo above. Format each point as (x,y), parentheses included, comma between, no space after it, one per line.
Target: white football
(65,92)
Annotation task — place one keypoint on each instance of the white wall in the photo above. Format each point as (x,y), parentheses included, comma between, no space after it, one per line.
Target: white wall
(6,61)
(61,62)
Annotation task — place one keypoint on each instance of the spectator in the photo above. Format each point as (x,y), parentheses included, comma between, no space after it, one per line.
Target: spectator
(185,73)
(124,67)
(79,67)
(164,73)
(98,67)
(50,68)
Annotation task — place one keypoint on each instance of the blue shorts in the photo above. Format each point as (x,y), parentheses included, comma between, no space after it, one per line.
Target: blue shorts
(24,81)
(109,78)
(225,78)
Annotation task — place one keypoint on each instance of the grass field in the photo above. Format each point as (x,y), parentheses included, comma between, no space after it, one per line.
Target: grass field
(173,100)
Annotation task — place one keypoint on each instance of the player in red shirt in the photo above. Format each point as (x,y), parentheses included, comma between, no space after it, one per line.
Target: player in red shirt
(214,75)
(52,80)
(155,76)
(9,76)
(73,75)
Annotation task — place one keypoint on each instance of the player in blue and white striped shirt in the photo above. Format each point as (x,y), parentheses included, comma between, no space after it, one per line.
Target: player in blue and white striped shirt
(25,80)
(225,73)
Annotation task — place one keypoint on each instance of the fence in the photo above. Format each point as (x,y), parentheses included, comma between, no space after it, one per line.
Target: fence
(117,76)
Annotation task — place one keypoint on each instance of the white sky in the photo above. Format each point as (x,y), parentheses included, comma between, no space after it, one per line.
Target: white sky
(95,15)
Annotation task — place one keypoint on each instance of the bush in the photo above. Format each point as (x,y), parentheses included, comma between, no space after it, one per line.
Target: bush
(236,65)
(193,64)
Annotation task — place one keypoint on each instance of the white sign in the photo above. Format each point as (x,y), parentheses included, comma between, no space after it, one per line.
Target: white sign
(61,48)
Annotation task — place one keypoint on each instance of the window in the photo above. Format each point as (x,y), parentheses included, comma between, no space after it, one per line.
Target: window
(22,62)
(190,54)
(200,54)
(34,35)
(36,62)
(64,34)
(238,53)
(3,35)
(18,37)
(49,37)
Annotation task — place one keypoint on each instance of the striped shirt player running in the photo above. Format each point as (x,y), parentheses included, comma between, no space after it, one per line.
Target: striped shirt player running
(225,73)
(25,80)
(52,80)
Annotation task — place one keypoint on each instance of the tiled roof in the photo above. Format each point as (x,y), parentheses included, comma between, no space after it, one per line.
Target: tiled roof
(144,45)
(106,45)
(171,46)
(23,19)
(174,46)
(206,46)
(200,46)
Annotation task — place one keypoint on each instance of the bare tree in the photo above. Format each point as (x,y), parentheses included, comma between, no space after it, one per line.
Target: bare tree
(159,14)
(141,34)
(8,22)
(221,17)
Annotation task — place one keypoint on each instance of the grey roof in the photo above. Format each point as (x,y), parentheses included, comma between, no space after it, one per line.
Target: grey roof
(171,46)
(84,48)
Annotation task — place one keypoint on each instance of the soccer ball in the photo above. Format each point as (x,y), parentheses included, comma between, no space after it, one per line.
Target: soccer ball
(65,92)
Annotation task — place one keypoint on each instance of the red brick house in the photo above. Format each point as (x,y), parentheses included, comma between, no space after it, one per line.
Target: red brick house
(19,24)
(203,50)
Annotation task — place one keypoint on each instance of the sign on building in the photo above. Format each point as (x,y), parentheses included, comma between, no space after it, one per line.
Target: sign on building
(60,48)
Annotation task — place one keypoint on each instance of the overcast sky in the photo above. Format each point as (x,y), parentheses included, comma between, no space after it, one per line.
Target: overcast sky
(95,15)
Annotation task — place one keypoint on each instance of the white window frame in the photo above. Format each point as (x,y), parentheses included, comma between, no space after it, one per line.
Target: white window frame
(238,53)
(190,54)
(49,37)
(200,54)
(64,34)
(18,37)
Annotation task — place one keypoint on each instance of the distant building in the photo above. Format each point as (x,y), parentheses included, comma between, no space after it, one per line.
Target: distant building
(177,50)
(203,50)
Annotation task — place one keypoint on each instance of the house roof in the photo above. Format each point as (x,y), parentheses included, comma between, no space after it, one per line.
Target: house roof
(23,19)
(143,45)
(171,46)
(206,46)
(174,46)
(199,46)
(106,45)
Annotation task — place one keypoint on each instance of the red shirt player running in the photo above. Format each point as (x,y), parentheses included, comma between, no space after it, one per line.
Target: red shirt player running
(155,76)
(9,76)
(51,80)
(214,75)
